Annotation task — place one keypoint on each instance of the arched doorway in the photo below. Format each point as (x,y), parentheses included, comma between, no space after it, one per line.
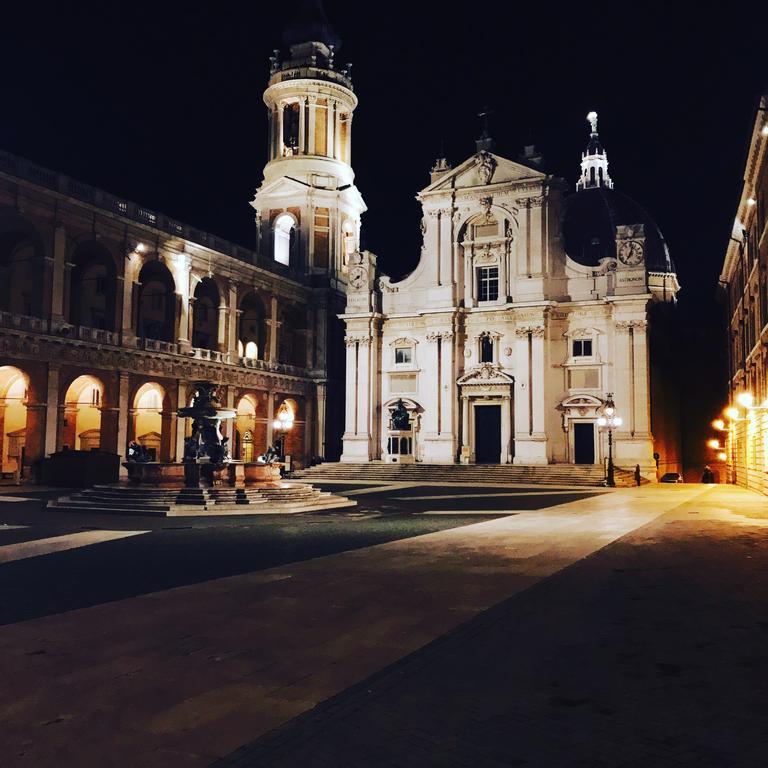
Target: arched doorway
(149,412)
(156,307)
(252,339)
(94,285)
(205,324)
(13,419)
(245,429)
(21,266)
(80,419)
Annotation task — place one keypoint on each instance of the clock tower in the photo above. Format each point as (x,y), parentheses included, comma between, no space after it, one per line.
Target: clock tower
(630,259)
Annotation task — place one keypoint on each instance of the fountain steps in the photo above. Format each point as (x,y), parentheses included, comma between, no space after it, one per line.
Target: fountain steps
(285,498)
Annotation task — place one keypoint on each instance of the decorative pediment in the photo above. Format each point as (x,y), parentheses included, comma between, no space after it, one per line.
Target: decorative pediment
(582,333)
(403,341)
(579,402)
(483,169)
(485,375)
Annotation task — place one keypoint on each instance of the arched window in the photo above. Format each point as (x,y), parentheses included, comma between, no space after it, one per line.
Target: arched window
(283,235)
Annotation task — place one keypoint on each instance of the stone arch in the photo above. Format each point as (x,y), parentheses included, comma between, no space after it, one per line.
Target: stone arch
(151,413)
(252,328)
(22,255)
(245,446)
(80,414)
(284,233)
(93,289)
(157,302)
(293,335)
(14,388)
(205,323)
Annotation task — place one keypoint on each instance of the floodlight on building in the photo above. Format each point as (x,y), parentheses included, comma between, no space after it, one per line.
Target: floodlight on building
(732,413)
(140,247)
(751,201)
(745,399)
(764,130)
(722,456)
(718,424)
(713,443)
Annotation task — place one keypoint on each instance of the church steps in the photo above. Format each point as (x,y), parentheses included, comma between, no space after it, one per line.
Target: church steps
(553,474)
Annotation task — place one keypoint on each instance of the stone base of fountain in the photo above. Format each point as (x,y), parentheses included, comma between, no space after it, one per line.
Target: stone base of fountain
(191,474)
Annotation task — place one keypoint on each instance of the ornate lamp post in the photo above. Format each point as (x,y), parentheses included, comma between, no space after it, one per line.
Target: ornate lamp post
(282,424)
(609,421)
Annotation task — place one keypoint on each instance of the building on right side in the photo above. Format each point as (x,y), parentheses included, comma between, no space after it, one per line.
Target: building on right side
(744,281)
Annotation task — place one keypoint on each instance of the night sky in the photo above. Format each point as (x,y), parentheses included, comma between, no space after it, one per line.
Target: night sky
(163,104)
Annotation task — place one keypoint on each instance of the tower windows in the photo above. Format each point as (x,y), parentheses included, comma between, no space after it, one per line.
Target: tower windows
(291,115)
(487,283)
(283,235)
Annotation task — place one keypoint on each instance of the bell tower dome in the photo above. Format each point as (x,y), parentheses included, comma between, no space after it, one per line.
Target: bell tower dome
(308,208)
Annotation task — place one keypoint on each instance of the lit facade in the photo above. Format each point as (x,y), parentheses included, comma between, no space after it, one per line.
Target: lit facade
(744,278)
(527,307)
(109,312)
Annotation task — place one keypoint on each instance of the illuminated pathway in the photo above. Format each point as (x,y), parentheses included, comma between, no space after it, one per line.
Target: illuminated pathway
(183,676)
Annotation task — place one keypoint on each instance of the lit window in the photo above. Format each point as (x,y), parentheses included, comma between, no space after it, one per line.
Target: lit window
(251,350)
(403,355)
(283,229)
(488,283)
(582,348)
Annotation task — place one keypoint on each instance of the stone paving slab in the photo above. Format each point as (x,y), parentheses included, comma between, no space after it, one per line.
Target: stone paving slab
(650,652)
(184,676)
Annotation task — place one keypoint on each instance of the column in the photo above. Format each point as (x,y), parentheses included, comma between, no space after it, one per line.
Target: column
(535,238)
(273,329)
(191,320)
(234,313)
(642,416)
(465,446)
(363,388)
(52,408)
(221,337)
(59,252)
(310,339)
(350,401)
(183,333)
(506,429)
(320,408)
(312,108)
(330,123)
(122,419)
(448,425)
(538,380)
(34,451)
(302,133)
(181,423)
(270,416)
(127,323)
(446,247)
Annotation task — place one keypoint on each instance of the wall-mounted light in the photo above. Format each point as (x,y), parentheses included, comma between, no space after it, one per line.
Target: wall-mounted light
(751,201)
(722,456)
(732,413)
(764,130)
(745,399)
(713,443)
(718,424)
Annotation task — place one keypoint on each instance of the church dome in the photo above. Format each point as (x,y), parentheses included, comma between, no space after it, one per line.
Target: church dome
(590,218)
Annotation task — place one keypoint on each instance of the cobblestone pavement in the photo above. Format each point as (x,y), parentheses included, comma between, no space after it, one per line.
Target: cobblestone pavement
(649,653)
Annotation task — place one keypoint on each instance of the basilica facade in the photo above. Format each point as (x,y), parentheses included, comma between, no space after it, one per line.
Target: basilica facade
(528,310)
(110,311)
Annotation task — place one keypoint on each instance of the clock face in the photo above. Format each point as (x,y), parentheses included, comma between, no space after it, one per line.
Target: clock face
(631,253)
(358,277)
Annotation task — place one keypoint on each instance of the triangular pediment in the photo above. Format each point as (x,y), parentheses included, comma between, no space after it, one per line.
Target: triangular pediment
(486,375)
(285,185)
(483,169)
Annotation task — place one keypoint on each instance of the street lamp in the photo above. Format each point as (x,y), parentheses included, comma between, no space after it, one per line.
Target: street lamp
(282,424)
(609,422)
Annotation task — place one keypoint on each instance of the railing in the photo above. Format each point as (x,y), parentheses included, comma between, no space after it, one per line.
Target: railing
(98,335)
(23,322)
(265,365)
(212,355)
(155,345)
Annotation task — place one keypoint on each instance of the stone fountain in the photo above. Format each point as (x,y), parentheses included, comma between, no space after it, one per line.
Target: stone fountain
(207,462)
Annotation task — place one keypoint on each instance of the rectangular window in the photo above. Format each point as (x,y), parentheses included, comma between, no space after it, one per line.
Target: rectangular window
(582,348)
(403,355)
(487,283)
(584,378)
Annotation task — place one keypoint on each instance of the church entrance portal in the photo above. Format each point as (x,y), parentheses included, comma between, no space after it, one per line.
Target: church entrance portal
(487,434)
(584,443)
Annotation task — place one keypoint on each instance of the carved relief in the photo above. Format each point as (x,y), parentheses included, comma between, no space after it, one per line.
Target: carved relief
(486,166)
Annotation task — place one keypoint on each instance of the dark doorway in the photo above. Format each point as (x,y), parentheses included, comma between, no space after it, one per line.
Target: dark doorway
(487,434)
(584,443)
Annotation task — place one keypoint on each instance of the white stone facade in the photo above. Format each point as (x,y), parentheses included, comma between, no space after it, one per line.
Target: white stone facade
(501,347)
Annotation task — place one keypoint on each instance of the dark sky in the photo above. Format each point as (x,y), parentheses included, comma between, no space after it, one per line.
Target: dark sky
(161,103)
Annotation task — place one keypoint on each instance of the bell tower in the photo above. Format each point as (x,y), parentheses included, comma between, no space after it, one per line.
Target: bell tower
(594,160)
(308,208)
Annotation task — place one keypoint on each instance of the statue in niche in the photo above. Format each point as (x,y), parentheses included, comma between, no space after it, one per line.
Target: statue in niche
(399,416)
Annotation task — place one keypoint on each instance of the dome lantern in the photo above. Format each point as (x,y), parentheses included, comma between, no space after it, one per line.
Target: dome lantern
(594,161)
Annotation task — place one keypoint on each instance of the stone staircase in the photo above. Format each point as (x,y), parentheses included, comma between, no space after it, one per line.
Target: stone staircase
(284,497)
(550,474)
